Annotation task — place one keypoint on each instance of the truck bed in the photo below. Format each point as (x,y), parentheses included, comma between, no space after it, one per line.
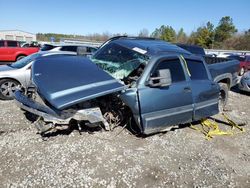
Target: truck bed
(220,67)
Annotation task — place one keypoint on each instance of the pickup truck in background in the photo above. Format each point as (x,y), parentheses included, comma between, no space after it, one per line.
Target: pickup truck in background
(11,50)
(144,82)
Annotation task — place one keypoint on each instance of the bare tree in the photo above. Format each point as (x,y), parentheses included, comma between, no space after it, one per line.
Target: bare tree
(143,33)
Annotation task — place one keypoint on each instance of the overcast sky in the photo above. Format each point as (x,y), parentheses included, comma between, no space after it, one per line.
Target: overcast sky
(114,16)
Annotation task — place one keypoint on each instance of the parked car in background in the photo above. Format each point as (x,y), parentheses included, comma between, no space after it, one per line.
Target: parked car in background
(73,48)
(47,47)
(18,73)
(31,44)
(225,54)
(12,51)
(154,83)
(69,47)
(244,84)
(244,62)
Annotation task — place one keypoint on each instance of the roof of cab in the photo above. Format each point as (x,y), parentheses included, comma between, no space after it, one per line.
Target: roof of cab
(151,46)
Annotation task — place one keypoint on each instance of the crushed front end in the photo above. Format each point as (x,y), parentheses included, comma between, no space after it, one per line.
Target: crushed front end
(50,119)
(90,96)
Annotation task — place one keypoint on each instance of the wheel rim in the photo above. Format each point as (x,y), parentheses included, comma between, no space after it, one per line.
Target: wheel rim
(8,88)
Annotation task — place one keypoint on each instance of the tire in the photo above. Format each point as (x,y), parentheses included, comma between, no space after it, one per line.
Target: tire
(7,88)
(20,57)
(133,127)
(242,71)
(223,98)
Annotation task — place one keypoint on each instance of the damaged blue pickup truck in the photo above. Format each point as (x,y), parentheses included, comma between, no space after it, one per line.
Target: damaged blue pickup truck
(153,83)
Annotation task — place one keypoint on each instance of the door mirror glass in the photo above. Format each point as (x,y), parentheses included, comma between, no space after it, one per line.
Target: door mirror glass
(162,79)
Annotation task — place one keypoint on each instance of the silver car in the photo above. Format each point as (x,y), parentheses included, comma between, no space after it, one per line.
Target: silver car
(18,73)
(90,50)
(244,83)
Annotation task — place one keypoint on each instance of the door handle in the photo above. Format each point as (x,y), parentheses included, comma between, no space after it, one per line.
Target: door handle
(187,89)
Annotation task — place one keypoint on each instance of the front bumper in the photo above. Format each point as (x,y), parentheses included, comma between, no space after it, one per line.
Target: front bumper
(92,115)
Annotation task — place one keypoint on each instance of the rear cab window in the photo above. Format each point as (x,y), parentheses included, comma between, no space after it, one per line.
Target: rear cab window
(197,70)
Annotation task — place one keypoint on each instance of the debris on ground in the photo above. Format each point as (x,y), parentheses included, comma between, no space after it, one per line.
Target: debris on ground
(178,158)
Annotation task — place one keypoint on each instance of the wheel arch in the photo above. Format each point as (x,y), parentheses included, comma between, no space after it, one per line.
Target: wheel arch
(224,78)
(9,78)
(21,54)
(7,96)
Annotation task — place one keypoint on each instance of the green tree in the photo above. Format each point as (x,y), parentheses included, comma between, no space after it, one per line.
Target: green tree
(181,36)
(225,29)
(204,36)
(165,33)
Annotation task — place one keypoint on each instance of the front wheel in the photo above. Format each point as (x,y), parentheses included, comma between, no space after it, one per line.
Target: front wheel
(7,88)
(223,97)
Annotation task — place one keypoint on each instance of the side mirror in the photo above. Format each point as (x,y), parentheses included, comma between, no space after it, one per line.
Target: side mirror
(82,51)
(163,79)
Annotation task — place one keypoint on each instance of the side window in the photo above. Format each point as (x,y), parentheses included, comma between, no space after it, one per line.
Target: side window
(69,48)
(197,70)
(176,70)
(1,43)
(11,43)
(47,47)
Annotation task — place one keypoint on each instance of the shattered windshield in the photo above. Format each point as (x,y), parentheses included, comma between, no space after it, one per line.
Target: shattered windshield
(119,61)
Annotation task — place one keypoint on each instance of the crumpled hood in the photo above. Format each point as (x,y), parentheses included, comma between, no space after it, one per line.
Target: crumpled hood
(65,81)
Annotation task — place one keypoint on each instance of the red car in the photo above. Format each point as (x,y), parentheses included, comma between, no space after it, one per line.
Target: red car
(11,50)
(244,62)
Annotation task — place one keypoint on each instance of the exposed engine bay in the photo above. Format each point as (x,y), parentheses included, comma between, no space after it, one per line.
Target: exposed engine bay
(105,112)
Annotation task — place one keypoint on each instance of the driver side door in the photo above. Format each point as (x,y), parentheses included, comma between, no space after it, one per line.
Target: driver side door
(164,106)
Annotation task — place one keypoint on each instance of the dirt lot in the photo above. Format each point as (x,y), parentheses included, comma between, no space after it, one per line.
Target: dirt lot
(179,158)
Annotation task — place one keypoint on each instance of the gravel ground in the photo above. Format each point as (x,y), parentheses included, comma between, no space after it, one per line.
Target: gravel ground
(179,158)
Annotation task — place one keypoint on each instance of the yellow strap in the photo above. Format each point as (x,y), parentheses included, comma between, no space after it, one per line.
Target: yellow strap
(185,63)
(232,123)
(213,129)
(210,128)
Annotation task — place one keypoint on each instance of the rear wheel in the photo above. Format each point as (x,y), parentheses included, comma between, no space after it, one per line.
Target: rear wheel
(223,96)
(7,88)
